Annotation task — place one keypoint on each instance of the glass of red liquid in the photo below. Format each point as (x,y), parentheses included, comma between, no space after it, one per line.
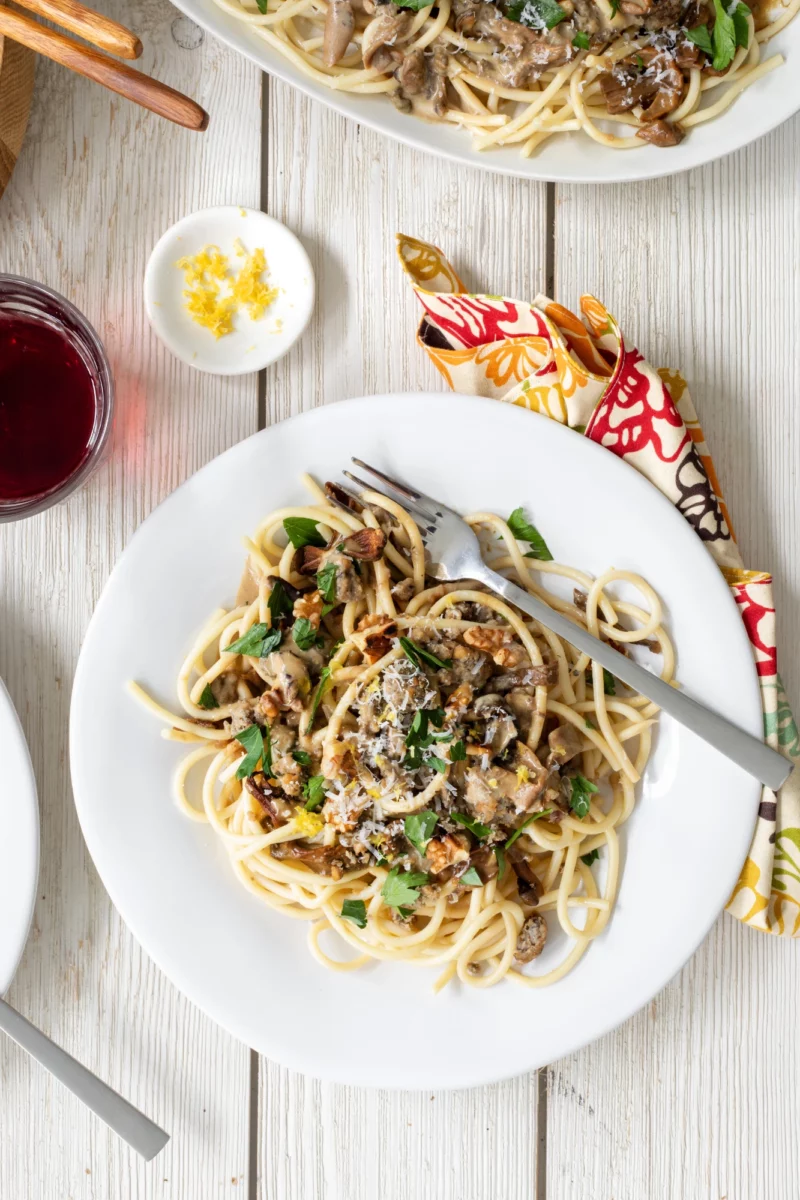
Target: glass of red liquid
(56,398)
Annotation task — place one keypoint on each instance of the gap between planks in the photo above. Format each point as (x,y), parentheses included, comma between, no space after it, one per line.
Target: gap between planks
(261,423)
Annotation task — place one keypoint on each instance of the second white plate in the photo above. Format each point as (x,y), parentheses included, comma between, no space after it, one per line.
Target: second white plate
(249,967)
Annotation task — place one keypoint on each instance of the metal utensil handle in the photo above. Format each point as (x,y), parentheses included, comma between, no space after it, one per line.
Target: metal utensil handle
(752,755)
(138,1130)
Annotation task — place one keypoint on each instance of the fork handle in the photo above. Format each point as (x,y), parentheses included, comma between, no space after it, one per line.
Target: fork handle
(751,754)
(138,1130)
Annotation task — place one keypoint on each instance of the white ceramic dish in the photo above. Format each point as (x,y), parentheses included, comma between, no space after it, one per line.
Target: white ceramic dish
(19,840)
(252,345)
(250,968)
(569,158)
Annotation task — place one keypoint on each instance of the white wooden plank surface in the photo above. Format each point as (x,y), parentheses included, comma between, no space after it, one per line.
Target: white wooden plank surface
(698,1096)
(346,195)
(97,183)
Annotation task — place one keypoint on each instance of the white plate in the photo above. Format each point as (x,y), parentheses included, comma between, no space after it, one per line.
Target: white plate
(249,967)
(567,158)
(19,840)
(252,345)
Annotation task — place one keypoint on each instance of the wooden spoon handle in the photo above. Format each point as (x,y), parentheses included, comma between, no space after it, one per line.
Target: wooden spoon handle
(93,26)
(116,76)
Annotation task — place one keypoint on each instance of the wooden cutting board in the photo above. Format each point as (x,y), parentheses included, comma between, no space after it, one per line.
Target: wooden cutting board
(16,89)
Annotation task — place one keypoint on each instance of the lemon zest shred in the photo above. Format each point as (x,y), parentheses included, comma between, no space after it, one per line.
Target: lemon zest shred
(207,273)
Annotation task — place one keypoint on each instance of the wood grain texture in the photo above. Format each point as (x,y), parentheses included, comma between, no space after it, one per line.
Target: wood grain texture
(697,1096)
(346,196)
(97,184)
(16,88)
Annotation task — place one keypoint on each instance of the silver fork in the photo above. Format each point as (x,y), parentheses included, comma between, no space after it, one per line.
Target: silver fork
(455,554)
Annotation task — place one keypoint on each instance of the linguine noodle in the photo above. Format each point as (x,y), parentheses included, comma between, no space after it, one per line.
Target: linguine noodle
(420,768)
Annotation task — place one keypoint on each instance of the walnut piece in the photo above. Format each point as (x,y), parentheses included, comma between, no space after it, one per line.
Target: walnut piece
(443,852)
(309,605)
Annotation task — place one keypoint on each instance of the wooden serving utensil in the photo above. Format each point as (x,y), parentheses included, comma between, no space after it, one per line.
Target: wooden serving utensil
(115,76)
(16,89)
(93,26)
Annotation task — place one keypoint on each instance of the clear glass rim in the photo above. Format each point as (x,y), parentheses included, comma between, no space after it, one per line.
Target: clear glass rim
(47,302)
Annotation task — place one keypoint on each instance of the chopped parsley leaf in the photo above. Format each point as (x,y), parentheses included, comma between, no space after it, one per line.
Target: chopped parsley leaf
(419,827)
(458,751)
(523,531)
(314,792)
(207,698)
(279,602)
(471,878)
(326,582)
(481,831)
(521,828)
(302,531)
(501,861)
(580,792)
(318,694)
(355,911)
(304,633)
(702,38)
(591,857)
(581,40)
(609,683)
(418,655)
(302,757)
(402,888)
(253,741)
(536,14)
(258,642)
(438,764)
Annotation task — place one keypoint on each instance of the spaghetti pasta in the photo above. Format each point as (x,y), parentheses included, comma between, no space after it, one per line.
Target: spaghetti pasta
(417,767)
(520,71)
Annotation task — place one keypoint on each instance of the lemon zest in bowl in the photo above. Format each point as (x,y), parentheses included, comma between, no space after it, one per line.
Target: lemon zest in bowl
(214,294)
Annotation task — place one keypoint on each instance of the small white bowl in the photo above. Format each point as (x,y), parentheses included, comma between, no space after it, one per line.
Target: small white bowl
(253,344)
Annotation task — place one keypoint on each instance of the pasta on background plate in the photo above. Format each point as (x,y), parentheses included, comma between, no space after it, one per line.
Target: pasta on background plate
(625,72)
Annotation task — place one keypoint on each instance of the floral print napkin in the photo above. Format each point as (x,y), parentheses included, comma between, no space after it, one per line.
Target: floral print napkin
(580,372)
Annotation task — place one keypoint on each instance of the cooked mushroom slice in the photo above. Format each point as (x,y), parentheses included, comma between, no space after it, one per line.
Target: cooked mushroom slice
(484,861)
(436,79)
(528,885)
(322,860)
(365,544)
(339,27)
(341,496)
(564,742)
(379,44)
(411,74)
(531,940)
(288,675)
(500,728)
(465,13)
(275,808)
(660,133)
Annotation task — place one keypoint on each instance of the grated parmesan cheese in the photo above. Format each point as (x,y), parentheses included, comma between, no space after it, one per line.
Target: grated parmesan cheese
(214,294)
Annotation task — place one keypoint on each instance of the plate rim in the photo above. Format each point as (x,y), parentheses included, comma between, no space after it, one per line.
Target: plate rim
(282,1052)
(32,819)
(273,64)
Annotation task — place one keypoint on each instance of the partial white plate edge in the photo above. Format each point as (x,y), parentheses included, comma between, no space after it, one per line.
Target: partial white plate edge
(22,848)
(234,33)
